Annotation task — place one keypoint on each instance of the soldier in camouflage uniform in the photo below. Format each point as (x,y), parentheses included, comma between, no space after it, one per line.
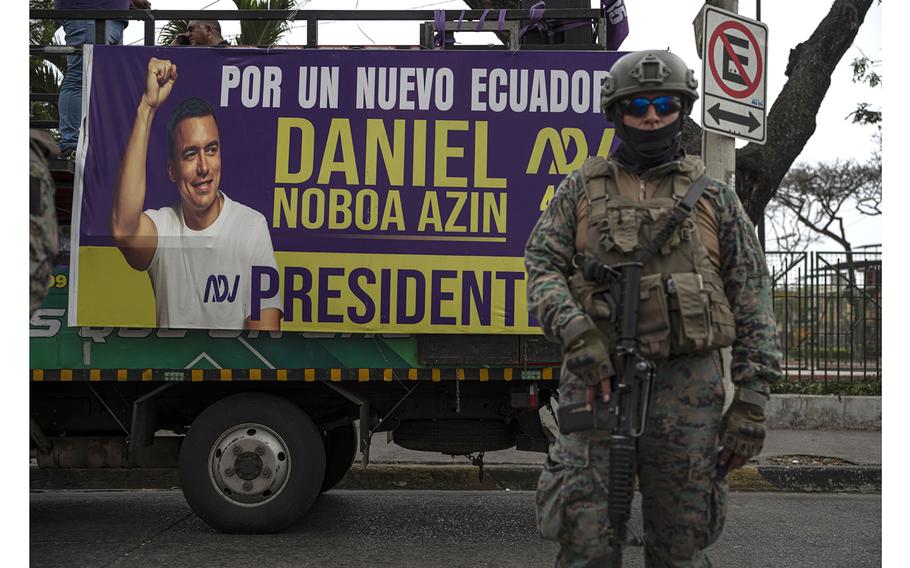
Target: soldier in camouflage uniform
(42,215)
(706,288)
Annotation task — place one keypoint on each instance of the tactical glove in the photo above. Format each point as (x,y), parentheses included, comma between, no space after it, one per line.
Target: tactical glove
(588,358)
(743,429)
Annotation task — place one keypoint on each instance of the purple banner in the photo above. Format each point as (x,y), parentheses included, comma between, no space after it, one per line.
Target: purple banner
(442,155)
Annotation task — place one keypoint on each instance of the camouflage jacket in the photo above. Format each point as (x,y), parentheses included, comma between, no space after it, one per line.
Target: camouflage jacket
(42,216)
(548,260)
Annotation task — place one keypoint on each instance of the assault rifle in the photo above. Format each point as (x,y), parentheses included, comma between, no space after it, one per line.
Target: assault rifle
(625,415)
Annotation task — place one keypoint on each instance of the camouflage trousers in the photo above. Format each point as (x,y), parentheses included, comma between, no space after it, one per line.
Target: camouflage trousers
(683,504)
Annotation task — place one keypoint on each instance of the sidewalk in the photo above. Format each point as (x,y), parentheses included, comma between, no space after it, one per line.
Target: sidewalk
(792,460)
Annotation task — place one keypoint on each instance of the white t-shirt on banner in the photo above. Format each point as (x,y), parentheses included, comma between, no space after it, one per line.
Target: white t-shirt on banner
(201,279)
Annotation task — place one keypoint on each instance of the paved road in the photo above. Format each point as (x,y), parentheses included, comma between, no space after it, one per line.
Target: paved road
(120,529)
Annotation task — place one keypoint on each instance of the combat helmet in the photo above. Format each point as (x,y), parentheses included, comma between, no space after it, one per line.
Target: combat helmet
(650,70)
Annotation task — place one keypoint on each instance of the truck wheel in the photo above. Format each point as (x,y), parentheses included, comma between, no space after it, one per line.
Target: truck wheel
(251,463)
(340,451)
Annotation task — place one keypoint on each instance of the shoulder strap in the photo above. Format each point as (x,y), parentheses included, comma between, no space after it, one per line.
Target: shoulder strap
(682,210)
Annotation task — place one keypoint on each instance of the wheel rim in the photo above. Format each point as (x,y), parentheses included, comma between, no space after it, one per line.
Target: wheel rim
(249,464)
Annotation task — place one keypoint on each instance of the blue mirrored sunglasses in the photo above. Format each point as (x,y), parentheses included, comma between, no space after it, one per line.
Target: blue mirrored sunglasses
(663,104)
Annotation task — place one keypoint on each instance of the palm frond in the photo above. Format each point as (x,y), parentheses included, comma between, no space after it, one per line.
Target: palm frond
(171,30)
(41,32)
(263,32)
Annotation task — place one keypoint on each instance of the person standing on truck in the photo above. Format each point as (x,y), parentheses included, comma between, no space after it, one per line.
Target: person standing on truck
(201,253)
(78,33)
(707,287)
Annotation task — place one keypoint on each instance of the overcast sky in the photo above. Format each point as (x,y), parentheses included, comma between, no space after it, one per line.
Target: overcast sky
(652,24)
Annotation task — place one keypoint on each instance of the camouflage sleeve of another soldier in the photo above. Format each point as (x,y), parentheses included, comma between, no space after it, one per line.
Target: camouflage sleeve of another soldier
(756,349)
(548,261)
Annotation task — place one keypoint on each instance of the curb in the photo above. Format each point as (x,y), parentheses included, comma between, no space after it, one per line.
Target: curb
(824,412)
(771,478)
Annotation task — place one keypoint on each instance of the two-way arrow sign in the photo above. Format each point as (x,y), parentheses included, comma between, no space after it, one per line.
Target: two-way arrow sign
(719,115)
(734,73)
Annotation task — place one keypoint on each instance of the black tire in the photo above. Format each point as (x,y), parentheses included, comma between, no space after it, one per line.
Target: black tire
(340,451)
(243,432)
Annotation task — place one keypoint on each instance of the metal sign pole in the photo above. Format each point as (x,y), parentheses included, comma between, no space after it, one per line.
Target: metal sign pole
(719,151)
(719,155)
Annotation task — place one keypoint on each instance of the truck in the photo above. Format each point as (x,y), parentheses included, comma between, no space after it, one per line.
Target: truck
(420,334)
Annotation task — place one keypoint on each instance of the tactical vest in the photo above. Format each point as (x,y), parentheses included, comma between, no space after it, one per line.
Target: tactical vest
(42,216)
(682,306)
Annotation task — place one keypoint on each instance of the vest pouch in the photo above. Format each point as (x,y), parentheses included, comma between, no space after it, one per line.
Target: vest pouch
(653,318)
(591,296)
(690,314)
(622,227)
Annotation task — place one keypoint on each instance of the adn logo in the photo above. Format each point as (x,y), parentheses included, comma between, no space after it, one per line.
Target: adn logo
(219,290)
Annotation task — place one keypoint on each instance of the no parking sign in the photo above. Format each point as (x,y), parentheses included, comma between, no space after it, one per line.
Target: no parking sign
(734,75)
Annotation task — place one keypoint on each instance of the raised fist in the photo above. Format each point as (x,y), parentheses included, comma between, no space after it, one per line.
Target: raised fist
(159,81)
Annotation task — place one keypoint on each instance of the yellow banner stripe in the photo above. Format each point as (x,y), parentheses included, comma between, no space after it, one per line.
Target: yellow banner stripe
(281,374)
(255,374)
(436,375)
(196,375)
(66,375)
(412,374)
(459,374)
(388,375)
(226,375)
(121,374)
(335,375)
(309,375)
(484,375)
(547,373)
(507,374)
(146,374)
(38,375)
(94,375)
(363,375)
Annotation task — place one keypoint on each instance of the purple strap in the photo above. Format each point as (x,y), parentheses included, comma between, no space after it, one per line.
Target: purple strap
(482,18)
(537,20)
(439,40)
(502,19)
(460,19)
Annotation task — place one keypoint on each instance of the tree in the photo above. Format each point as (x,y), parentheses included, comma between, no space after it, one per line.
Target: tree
(252,32)
(45,71)
(864,71)
(791,119)
(814,197)
(811,197)
(171,30)
(263,32)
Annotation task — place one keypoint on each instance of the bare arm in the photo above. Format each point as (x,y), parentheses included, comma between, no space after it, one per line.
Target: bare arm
(134,232)
(269,320)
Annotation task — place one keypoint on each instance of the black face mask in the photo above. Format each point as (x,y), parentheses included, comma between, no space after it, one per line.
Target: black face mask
(642,150)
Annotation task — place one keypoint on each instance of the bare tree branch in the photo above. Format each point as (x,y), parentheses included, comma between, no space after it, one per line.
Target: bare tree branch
(816,195)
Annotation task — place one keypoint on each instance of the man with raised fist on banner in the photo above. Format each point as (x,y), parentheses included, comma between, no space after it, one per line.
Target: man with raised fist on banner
(201,253)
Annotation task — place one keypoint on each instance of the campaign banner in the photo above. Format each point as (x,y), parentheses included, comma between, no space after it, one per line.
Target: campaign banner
(381,191)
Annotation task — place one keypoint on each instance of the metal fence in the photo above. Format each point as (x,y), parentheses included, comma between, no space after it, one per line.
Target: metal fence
(829,314)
